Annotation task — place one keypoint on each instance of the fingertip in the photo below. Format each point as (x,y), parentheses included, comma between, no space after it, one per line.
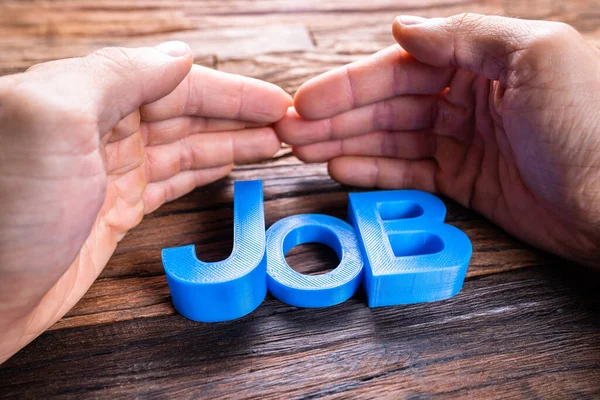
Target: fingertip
(297,152)
(180,54)
(176,49)
(284,128)
(300,99)
(354,171)
(283,108)
(300,153)
(397,29)
(289,99)
(283,102)
(408,20)
(313,97)
(336,169)
(276,101)
(403,25)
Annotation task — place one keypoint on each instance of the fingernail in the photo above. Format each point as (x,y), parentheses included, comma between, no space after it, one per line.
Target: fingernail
(174,49)
(408,20)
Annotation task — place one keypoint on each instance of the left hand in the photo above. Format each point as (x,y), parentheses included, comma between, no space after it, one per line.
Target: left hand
(90,145)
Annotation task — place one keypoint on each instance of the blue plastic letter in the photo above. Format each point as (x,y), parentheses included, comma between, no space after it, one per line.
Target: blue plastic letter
(228,289)
(410,255)
(312,291)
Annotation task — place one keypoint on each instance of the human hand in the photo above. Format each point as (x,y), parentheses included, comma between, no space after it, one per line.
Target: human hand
(90,145)
(502,115)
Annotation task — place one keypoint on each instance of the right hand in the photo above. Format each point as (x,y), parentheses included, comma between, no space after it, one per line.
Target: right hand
(516,136)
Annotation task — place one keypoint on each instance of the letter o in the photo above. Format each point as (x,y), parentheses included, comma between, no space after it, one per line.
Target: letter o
(312,291)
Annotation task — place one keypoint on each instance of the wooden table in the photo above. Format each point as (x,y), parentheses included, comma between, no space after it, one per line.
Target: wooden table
(525,324)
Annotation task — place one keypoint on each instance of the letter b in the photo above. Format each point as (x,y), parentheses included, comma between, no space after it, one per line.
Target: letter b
(410,255)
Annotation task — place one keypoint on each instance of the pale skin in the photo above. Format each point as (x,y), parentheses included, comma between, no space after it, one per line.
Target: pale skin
(91,145)
(88,146)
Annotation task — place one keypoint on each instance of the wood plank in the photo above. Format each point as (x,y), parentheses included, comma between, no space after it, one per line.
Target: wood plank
(528,333)
(65,30)
(63,18)
(349,38)
(220,8)
(516,330)
(204,218)
(224,43)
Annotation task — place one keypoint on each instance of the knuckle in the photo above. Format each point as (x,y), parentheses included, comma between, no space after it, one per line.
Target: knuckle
(548,37)
(536,63)
(561,30)
(551,35)
(383,116)
(464,22)
(114,57)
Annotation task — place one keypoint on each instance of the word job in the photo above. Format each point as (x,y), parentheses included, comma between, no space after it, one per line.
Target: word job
(397,247)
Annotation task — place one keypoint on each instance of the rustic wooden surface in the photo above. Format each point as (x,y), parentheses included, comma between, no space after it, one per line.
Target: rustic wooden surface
(525,325)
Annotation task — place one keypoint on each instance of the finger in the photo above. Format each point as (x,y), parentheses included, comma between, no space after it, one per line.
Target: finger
(478,43)
(170,130)
(159,193)
(385,173)
(388,73)
(399,113)
(209,150)
(215,94)
(125,79)
(407,145)
(104,87)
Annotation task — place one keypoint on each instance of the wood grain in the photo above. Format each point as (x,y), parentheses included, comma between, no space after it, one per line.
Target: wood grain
(532,333)
(204,218)
(525,324)
(37,31)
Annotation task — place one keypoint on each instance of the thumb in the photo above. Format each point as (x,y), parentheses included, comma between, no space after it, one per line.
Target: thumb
(121,80)
(482,44)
